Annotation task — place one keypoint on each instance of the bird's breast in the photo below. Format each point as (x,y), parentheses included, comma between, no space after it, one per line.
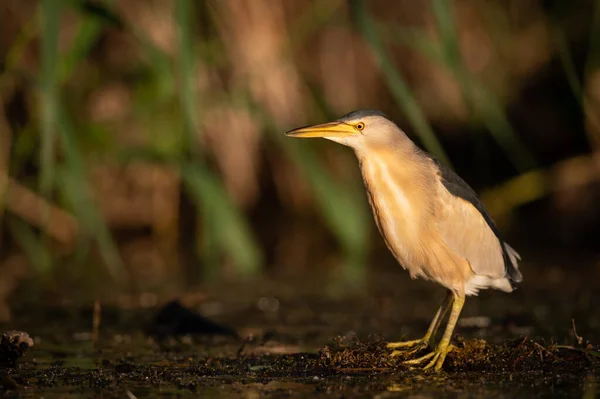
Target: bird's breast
(403,194)
(396,208)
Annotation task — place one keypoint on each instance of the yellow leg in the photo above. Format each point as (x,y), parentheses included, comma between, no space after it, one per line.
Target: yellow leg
(429,337)
(439,355)
(439,316)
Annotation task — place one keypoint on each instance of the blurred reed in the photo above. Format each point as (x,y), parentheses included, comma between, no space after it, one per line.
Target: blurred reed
(203,93)
(224,226)
(578,171)
(487,110)
(396,83)
(50,14)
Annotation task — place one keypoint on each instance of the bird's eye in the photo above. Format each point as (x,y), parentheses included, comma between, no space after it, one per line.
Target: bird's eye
(360,126)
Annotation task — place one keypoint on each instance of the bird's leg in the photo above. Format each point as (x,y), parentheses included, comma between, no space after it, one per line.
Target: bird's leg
(437,321)
(431,331)
(439,355)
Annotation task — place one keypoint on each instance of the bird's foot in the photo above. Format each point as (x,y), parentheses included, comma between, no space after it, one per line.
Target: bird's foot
(407,344)
(437,357)
(407,347)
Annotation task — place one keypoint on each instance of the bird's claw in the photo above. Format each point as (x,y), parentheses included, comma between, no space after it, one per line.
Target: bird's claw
(407,348)
(437,358)
(407,344)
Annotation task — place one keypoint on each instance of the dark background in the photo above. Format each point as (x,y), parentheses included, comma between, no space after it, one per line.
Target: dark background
(142,147)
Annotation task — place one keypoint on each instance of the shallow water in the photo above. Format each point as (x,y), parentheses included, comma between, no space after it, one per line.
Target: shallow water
(506,343)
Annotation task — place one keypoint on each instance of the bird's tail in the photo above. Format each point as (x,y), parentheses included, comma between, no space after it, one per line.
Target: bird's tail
(514,257)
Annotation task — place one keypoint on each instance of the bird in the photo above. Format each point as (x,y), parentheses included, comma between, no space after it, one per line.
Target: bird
(431,220)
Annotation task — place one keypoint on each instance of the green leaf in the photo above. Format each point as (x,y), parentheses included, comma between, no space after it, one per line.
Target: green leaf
(225,220)
(31,244)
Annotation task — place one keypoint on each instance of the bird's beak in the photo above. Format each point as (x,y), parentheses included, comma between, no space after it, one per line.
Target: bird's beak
(330,129)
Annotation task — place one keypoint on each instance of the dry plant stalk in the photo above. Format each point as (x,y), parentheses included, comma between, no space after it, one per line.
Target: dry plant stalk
(563,177)
(268,72)
(60,225)
(97,317)
(270,75)
(28,205)
(591,108)
(5,144)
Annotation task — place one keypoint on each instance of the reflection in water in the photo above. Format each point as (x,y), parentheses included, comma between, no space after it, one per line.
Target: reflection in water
(590,387)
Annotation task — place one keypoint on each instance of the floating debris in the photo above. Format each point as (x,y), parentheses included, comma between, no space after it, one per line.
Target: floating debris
(174,319)
(13,345)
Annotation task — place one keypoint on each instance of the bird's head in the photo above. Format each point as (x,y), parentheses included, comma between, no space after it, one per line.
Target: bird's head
(359,129)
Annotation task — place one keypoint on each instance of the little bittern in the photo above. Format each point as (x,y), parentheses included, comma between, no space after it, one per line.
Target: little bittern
(431,220)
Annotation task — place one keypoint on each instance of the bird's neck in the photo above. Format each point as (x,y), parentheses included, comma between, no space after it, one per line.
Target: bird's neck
(401,170)
(404,160)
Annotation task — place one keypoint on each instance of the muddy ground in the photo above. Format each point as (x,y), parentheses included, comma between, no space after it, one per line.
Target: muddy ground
(313,338)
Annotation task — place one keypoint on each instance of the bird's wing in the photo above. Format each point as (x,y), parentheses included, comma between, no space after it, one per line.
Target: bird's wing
(469,230)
